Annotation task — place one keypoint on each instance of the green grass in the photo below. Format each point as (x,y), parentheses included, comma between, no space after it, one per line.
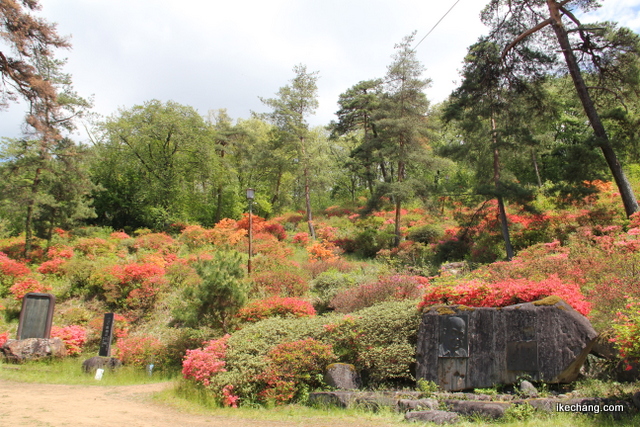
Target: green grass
(69,371)
(187,397)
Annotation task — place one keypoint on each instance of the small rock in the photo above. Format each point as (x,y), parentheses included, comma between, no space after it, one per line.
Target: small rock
(436,417)
(90,366)
(528,389)
(636,399)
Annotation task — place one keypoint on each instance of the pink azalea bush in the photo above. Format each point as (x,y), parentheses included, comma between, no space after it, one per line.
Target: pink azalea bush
(201,364)
(73,336)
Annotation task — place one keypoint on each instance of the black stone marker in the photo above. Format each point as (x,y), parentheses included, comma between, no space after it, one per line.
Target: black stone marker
(36,316)
(107,335)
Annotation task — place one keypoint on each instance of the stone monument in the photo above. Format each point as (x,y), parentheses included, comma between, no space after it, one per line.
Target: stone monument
(463,348)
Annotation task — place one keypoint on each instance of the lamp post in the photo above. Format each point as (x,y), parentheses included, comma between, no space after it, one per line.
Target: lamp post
(250,196)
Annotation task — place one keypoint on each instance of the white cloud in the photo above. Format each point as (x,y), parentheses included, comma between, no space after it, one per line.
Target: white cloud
(225,54)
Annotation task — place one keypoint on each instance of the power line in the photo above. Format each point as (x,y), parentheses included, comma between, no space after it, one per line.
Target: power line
(434,27)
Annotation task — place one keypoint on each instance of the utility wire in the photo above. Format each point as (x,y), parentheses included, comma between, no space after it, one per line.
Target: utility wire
(434,27)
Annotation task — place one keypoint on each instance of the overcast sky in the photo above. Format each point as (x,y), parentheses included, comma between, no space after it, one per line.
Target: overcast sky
(212,54)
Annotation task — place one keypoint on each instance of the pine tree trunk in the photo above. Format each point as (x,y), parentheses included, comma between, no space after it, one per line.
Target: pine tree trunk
(502,214)
(626,192)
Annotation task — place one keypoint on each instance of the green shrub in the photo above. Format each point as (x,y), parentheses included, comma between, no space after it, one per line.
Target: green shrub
(370,241)
(218,297)
(430,233)
(325,287)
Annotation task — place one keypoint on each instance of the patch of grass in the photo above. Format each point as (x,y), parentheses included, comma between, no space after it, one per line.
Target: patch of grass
(188,397)
(69,371)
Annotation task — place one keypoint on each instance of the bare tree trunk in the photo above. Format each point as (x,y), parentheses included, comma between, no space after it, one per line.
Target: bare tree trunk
(626,192)
(502,214)
(535,166)
(307,196)
(28,223)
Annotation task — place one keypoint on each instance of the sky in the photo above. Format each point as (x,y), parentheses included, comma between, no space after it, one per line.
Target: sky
(212,54)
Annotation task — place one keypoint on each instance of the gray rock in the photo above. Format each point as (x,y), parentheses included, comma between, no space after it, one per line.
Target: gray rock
(342,376)
(404,405)
(464,348)
(374,401)
(527,389)
(471,407)
(341,399)
(436,417)
(636,399)
(90,366)
(18,351)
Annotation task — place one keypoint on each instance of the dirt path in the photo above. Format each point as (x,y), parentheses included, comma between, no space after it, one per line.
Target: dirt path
(29,404)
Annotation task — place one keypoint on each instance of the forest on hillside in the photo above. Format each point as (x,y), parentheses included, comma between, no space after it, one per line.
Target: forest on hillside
(526,176)
(526,122)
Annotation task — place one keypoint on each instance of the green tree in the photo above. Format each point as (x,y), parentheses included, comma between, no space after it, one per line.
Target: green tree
(156,164)
(45,170)
(218,297)
(521,21)
(292,105)
(402,124)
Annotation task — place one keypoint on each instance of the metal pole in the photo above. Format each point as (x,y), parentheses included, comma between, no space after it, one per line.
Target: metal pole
(250,235)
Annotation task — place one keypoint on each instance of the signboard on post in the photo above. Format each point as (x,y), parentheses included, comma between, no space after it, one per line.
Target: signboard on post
(107,335)
(36,316)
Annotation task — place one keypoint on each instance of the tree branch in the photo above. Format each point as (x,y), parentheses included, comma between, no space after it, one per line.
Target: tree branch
(524,35)
(618,97)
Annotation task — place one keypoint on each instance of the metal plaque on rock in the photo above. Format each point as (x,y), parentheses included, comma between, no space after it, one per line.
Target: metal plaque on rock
(453,336)
(36,316)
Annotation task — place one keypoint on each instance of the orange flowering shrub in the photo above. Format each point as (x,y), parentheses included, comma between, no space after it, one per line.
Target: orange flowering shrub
(323,251)
(275,307)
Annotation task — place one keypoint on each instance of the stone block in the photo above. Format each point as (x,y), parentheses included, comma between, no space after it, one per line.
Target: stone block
(434,416)
(405,405)
(474,407)
(464,348)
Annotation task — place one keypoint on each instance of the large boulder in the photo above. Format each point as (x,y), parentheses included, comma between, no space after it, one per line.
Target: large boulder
(19,351)
(463,348)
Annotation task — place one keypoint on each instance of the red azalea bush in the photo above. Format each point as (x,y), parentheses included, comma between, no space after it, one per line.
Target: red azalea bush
(201,364)
(53,266)
(386,288)
(477,293)
(94,246)
(73,336)
(281,283)
(301,238)
(294,366)
(626,327)
(156,242)
(3,338)
(133,285)
(140,350)
(23,287)
(10,270)
(275,306)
